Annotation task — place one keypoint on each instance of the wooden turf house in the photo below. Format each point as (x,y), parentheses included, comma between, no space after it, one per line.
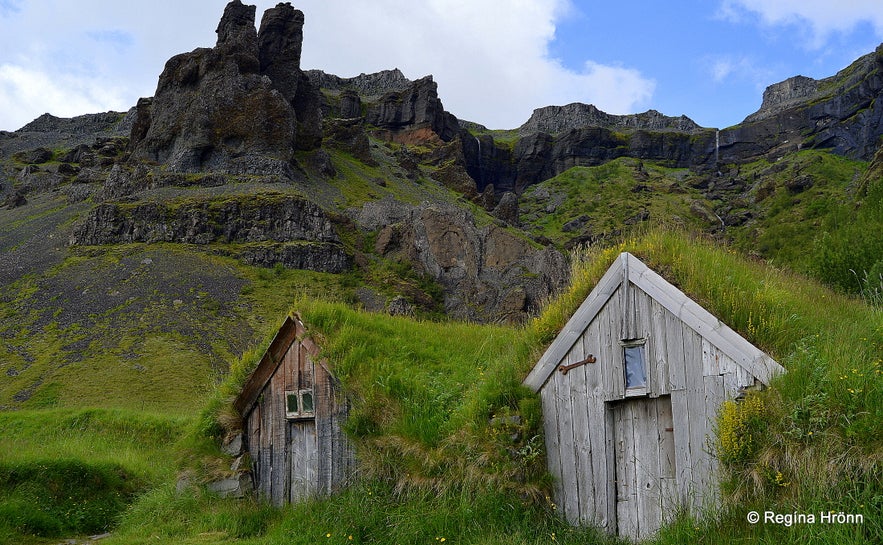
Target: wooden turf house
(293,412)
(630,392)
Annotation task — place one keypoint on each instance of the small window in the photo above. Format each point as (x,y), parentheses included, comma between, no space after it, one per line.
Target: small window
(635,364)
(293,405)
(306,398)
(299,404)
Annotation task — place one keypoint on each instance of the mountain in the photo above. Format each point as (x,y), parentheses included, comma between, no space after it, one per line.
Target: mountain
(180,226)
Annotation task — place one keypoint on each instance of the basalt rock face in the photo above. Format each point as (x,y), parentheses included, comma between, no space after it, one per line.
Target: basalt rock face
(369,86)
(540,156)
(841,113)
(488,273)
(557,119)
(489,164)
(280,40)
(388,101)
(243,106)
(274,229)
(415,107)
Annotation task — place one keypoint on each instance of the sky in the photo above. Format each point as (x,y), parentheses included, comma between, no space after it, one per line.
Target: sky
(494,61)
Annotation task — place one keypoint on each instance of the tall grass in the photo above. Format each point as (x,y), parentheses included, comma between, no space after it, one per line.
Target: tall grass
(65,472)
(449,442)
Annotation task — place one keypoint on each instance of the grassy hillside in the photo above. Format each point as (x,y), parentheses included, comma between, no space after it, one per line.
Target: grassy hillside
(119,361)
(444,458)
(812,211)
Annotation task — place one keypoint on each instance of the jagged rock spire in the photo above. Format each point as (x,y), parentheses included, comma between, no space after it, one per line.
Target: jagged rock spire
(242,106)
(236,29)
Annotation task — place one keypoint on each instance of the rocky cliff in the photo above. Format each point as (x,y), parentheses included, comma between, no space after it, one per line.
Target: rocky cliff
(388,101)
(243,106)
(481,268)
(264,229)
(841,113)
(241,152)
(556,119)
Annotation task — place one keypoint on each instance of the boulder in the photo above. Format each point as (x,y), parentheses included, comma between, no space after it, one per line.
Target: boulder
(238,486)
(35,156)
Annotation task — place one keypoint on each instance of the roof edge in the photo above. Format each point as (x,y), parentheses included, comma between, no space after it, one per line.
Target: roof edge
(627,267)
(290,330)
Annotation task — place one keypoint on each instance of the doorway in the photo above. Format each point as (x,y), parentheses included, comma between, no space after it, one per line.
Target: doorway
(644,465)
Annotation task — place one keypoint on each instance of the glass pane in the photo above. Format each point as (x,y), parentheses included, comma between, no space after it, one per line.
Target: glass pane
(307,399)
(291,406)
(635,368)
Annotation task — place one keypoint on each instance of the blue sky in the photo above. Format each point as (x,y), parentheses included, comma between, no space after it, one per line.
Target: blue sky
(494,60)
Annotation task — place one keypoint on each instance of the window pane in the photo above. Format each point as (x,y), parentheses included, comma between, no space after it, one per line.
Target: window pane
(291,406)
(307,400)
(635,368)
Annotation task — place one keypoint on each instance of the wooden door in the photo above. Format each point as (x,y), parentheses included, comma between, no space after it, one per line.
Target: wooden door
(303,460)
(646,492)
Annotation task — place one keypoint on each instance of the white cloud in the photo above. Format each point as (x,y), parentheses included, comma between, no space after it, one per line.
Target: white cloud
(823,16)
(27,91)
(726,68)
(490,58)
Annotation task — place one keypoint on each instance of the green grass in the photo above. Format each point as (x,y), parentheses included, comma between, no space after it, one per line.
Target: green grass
(787,221)
(609,197)
(73,472)
(439,458)
(440,454)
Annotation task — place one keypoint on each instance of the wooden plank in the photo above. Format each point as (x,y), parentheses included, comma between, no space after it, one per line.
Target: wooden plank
(582,444)
(572,331)
(681,425)
(253,435)
(714,398)
(325,439)
(553,448)
(626,478)
(626,304)
(339,444)
(646,466)
(677,365)
(744,378)
(288,369)
(657,358)
(619,469)
(298,443)
(612,364)
(265,369)
(674,348)
(696,409)
(570,497)
(731,385)
(726,363)
(597,411)
(710,365)
(276,404)
(266,448)
(668,491)
(641,327)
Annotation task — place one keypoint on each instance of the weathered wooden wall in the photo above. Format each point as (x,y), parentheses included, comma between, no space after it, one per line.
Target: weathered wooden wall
(624,463)
(296,459)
